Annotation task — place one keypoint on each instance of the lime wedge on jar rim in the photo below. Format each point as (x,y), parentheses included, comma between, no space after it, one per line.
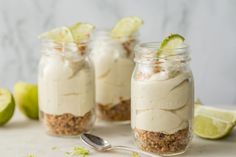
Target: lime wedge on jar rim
(7,106)
(61,34)
(170,43)
(81,31)
(126,27)
(213,123)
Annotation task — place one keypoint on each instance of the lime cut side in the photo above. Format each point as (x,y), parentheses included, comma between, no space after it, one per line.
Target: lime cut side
(170,43)
(126,27)
(81,31)
(7,106)
(213,123)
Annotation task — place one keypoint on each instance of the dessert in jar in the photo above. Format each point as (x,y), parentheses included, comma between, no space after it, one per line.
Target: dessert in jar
(66,81)
(162,97)
(112,54)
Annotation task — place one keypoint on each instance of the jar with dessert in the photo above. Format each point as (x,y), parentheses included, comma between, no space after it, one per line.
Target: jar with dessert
(112,54)
(66,81)
(162,97)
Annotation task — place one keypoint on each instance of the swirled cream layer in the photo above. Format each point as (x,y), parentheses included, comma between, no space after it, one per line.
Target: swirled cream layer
(162,105)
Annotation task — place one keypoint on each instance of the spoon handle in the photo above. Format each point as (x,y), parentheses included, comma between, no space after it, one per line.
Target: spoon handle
(134,150)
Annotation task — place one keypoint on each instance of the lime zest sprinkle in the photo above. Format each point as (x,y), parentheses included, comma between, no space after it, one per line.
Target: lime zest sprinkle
(31,155)
(79,151)
(54,148)
(134,154)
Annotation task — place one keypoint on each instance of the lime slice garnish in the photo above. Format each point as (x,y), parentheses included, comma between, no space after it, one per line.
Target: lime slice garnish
(126,27)
(61,34)
(81,31)
(26,97)
(213,123)
(7,106)
(169,44)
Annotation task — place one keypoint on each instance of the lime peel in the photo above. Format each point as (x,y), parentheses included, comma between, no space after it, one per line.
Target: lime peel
(170,43)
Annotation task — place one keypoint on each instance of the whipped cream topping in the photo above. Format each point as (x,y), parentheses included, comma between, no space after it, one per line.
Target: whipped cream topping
(113,69)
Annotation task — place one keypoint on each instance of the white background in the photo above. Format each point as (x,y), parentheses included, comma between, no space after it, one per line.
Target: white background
(209,27)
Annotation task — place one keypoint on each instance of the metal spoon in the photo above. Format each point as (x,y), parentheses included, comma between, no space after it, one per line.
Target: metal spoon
(102,145)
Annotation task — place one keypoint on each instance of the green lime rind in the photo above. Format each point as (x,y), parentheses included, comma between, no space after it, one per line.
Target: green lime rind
(165,44)
(170,43)
(213,123)
(7,106)
(126,27)
(26,97)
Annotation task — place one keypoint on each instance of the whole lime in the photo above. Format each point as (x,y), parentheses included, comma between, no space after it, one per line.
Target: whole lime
(26,97)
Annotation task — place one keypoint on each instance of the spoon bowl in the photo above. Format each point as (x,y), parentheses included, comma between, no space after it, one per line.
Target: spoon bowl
(96,142)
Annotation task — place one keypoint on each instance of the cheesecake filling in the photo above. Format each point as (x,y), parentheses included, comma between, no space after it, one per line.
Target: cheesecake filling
(65,86)
(113,69)
(162,104)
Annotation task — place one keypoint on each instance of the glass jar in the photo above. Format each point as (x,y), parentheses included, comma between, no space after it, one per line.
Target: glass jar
(66,89)
(113,60)
(162,94)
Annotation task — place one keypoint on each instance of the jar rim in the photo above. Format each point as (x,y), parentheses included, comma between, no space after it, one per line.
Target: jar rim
(56,43)
(52,47)
(156,45)
(148,51)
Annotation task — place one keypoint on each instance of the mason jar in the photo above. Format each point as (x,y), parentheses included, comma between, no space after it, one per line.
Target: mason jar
(113,61)
(66,89)
(162,99)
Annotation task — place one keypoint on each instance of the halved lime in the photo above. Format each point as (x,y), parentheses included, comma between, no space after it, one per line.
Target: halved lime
(213,123)
(81,31)
(126,27)
(7,106)
(170,43)
(61,34)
